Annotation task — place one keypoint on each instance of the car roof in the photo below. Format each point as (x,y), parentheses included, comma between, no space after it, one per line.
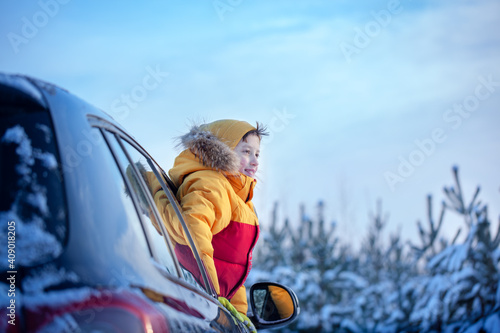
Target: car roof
(17,90)
(26,91)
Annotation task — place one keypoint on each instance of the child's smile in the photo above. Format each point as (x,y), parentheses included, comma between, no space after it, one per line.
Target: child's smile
(249,151)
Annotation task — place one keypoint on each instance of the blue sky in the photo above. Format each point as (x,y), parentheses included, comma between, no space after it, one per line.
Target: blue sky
(353,92)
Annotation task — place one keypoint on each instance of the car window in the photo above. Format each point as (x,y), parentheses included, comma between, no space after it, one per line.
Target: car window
(170,213)
(32,197)
(133,221)
(155,204)
(166,213)
(159,246)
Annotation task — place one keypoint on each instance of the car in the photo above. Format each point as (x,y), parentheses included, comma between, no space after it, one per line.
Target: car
(83,246)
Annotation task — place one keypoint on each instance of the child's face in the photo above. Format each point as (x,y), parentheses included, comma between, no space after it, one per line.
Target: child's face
(249,154)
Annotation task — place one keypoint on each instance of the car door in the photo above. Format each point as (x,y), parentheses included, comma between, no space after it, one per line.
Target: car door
(198,308)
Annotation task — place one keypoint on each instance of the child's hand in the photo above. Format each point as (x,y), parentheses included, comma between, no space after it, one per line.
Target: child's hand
(238,315)
(224,301)
(248,323)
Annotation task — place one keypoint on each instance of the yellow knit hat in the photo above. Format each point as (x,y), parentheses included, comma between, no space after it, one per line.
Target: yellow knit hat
(228,131)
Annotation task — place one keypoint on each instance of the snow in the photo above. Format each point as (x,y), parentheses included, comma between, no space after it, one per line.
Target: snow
(451,259)
(58,297)
(350,325)
(356,280)
(48,160)
(18,136)
(46,277)
(32,242)
(22,84)
(492,323)
(41,279)
(39,200)
(447,288)
(46,130)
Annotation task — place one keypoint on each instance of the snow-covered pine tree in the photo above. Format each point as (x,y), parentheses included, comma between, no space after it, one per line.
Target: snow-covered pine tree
(384,269)
(270,250)
(311,261)
(448,286)
(319,261)
(460,288)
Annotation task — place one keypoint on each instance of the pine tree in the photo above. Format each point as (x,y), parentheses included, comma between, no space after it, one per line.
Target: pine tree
(271,249)
(460,288)
(436,285)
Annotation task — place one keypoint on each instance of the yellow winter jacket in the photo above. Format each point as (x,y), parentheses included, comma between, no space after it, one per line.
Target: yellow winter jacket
(217,207)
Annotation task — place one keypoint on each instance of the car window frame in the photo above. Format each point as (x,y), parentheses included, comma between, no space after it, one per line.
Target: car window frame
(107,128)
(108,136)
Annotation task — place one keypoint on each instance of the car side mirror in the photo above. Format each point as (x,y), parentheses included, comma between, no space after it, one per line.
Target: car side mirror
(273,305)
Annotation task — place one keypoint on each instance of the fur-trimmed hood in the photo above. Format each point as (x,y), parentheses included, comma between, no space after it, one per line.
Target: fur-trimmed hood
(210,150)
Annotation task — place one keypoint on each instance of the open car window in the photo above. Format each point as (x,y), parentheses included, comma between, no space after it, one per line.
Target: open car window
(134,165)
(192,267)
(160,212)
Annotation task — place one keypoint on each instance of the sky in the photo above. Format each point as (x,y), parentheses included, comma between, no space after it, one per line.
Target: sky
(364,101)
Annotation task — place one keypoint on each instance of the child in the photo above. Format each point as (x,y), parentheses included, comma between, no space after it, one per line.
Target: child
(215,180)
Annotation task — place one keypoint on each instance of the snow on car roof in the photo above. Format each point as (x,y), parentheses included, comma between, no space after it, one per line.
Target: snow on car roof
(21,83)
